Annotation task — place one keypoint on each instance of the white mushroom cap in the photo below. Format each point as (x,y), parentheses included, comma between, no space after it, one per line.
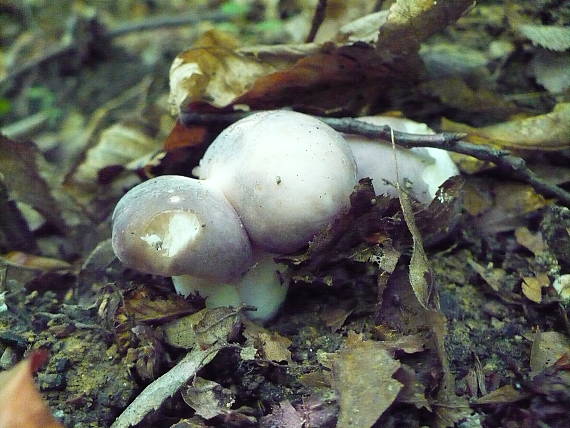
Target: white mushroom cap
(174,225)
(424,168)
(286,174)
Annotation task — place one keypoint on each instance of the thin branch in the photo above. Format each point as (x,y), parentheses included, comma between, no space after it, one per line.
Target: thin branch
(73,48)
(318,18)
(447,141)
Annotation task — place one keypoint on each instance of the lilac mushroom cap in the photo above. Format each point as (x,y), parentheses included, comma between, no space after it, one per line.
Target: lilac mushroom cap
(421,170)
(174,225)
(286,174)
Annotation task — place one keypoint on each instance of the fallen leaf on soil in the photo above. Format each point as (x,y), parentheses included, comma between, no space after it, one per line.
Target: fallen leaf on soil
(31,261)
(505,394)
(358,370)
(282,415)
(269,344)
(532,286)
(166,386)
(531,241)
(547,348)
(182,136)
(413,391)
(209,399)
(21,405)
(202,328)
(22,166)
(550,131)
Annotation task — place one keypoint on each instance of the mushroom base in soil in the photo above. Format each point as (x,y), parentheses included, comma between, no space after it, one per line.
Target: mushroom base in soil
(260,287)
(270,181)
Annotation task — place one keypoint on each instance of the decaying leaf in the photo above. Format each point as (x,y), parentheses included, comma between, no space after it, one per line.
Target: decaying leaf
(22,168)
(550,131)
(410,22)
(505,394)
(20,402)
(421,276)
(282,415)
(551,37)
(209,399)
(547,348)
(532,286)
(202,328)
(31,261)
(165,386)
(269,344)
(531,241)
(552,70)
(358,370)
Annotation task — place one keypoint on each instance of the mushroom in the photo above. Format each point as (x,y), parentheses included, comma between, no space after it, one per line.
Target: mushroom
(286,174)
(174,225)
(261,287)
(421,170)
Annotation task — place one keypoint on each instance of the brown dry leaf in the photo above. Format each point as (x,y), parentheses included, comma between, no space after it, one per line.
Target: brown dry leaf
(212,72)
(410,22)
(182,136)
(421,276)
(31,261)
(505,394)
(410,344)
(550,131)
(532,286)
(531,241)
(269,344)
(512,202)
(413,390)
(318,379)
(21,405)
(209,399)
(358,370)
(334,317)
(283,415)
(143,304)
(22,166)
(547,348)
(456,93)
(204,328)
(494,277)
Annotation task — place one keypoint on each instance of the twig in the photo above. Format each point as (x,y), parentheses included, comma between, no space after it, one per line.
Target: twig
(318,19)
(145,25)
(445,140)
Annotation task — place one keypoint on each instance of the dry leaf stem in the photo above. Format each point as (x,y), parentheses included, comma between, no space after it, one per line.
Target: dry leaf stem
(318,18)
(445,140)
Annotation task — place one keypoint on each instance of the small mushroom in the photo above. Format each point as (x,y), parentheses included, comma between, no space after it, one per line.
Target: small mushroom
(286,174)
(421,170)
(174,225)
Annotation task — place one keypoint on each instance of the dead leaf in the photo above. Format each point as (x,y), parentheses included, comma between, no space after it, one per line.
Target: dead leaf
(21,405)
(547,348)
(202,328)
(358,370)
(182,136)
(22,168)
(550,131)
(531,241)
(532,286)
(282,415)
(30,261)
(410,22)
(269,344)
(553,37)
(505,394)
(208,399)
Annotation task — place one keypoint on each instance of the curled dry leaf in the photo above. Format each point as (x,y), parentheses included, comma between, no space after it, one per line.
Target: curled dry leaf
(269,344)
(209,399)
(20,402)
(550,131)
(358,370)
(532,286)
